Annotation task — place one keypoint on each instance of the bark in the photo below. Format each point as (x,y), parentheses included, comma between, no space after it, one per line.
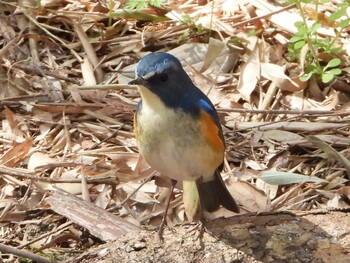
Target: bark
(98,221)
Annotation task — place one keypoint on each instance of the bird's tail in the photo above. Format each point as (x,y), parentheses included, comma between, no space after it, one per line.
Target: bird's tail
(214,193)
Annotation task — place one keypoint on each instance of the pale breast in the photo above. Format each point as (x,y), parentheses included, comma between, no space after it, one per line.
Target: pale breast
(173,143)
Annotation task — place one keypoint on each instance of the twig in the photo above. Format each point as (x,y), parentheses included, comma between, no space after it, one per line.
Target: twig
(108,87)
(24,253)
(44,73)
(112,180)
(288,126)
(113,135)
(295,112)
(131,194)
(34,21)
(61,227)
(90,52)
(18,99)
(5,49)
(263,16)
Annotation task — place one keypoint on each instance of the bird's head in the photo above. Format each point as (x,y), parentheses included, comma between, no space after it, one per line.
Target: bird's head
(160,75)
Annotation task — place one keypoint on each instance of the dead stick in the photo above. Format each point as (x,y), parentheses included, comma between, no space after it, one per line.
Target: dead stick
(23,253)
(263,16)
(65,225)
(27,175)
(294,112)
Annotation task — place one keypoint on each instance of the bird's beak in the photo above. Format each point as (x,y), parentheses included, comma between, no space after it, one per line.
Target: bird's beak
(142,80)
(138,81)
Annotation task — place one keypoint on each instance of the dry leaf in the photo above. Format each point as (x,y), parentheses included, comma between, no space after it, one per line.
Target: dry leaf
(16,153)
(281,136)
(39,159)
(250,73)
(331,152)
(249,197)
(276,74)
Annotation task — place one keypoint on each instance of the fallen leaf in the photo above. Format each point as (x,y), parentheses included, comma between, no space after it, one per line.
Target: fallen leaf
(283,178)
(281,136)
(249,197)
(250,73)
(16,153)
(39,159)
(331,152)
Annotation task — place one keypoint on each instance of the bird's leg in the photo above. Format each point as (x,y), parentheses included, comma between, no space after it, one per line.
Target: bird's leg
(201,207)
(163,223)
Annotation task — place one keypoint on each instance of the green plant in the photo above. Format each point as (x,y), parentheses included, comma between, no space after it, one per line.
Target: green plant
(25,260)
(254,32)
(110,12)
(193,30)
(327,72)
(140,4)
(316,45)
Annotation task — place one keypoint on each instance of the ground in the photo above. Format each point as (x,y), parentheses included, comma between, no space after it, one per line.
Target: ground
(69,162)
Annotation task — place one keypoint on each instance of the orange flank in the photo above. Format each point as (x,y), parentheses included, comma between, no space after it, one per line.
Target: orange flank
(211,130)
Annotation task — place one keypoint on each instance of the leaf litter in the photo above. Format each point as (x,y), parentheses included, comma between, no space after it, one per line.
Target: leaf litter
(67,113)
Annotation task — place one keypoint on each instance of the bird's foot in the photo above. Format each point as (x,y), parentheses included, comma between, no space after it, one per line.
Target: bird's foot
(161,230)
(201,225)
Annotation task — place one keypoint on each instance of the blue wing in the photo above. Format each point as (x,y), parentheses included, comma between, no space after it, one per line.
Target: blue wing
(209,108)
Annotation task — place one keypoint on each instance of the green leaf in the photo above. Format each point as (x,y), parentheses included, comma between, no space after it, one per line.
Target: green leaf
(140,4)
(301,28)
(253,32)
(156,3)
(335,71)
(127,14)
(335,50)
(296,38)
(313,68)
(327,77)
(136,4)
(299,24)
(283,178)
(306,76)
(344,23)
(338,14)
(333,63)
(186,19)
(299,44)
(288,2)
(314,28)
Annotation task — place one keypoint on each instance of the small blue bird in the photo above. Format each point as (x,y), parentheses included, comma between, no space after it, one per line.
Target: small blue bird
(178,130)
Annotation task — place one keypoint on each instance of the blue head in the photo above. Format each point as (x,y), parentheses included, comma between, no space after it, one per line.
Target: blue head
(162,74)
(164,83)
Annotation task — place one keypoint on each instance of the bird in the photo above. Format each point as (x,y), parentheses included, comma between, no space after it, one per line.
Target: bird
(178,131)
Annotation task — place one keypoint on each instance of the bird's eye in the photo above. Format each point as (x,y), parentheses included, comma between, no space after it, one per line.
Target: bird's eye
(163,77)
